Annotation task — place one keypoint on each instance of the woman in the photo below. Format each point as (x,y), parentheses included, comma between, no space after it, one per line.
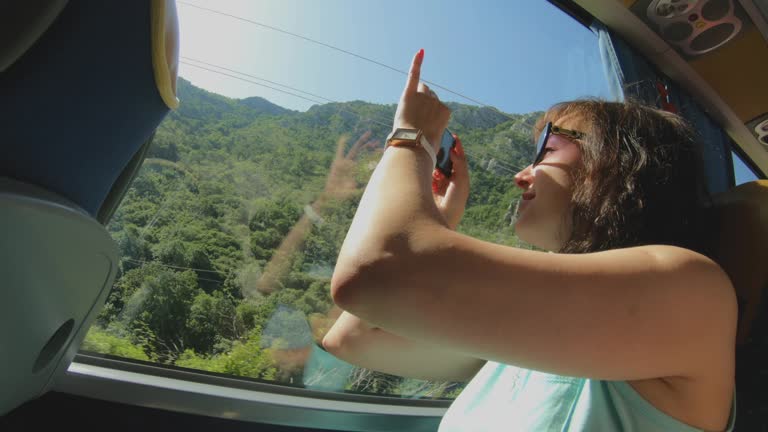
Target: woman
(626,328)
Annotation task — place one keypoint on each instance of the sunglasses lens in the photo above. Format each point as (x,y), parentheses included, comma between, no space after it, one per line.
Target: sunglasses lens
(541,143)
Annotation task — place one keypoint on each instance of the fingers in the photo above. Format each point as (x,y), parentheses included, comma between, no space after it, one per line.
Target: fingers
(439,182)
(342,143)
(423,88)
(356,146)
(372,144)
(411,85)
(459,148)
(459,159)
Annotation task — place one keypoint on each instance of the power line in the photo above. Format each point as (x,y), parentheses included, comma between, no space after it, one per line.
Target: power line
(283,91)
(503,164)
(275,83)
(258,78)
(210,280)
(159,210)
(252,82)
(335,48)
(508,166)
(433,84)
(176,267)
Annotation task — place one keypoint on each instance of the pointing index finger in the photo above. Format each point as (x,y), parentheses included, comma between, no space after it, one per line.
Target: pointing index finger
(412,85)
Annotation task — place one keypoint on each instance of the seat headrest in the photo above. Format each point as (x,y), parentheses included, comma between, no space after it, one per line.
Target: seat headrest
(22,24)
(742,248)
(98,108)
(58,265)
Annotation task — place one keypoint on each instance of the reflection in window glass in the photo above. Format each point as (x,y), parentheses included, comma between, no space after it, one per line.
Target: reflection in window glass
(741,171)
(229,234)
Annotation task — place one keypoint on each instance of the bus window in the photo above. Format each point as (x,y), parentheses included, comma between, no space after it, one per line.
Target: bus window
(741,171)
(229,233)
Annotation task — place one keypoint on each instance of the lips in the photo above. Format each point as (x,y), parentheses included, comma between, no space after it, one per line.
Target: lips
(527,197)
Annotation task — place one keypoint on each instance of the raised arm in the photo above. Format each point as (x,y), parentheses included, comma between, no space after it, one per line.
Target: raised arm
(357,342)
(645,312)
(360,343)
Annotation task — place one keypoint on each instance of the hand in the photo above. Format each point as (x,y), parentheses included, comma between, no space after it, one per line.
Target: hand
(340,183)
(451,194)
(419,107)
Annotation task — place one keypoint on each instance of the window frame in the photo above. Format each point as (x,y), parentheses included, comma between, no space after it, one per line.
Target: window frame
(650,45)
(194,392)
(201,393)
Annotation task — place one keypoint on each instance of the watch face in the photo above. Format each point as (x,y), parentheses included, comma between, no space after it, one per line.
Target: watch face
(406,134)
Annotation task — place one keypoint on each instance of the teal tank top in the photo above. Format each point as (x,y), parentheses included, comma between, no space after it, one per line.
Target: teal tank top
(507,398)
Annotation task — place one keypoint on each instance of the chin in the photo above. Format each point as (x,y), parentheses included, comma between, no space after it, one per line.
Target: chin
(533,237)
(525,233)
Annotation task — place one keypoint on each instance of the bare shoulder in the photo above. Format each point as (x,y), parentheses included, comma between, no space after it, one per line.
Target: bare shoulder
(636,313)
(703,396)
(676,256)
(705,282)
(691,266)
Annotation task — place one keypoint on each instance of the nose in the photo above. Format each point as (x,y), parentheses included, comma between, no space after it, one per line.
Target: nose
(524,178)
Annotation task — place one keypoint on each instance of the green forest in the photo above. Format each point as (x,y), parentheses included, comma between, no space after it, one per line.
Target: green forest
(222,267)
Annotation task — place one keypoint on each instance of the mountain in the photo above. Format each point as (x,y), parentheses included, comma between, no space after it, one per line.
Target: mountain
(292,150)
(202,104)
(263,106)
(224,183)
(478,117)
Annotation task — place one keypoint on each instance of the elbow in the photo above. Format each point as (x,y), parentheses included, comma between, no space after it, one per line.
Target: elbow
(337,346)
(361,268)
(332,344)
(351,278)
(365,275)
(343,341)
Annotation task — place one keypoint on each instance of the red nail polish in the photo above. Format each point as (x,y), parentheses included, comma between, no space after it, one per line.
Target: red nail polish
(420,55)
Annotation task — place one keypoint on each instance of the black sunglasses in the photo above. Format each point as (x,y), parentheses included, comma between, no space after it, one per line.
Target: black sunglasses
(548,130)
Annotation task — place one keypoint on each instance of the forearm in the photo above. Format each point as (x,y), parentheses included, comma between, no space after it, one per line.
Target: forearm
(398,202)
(358,342)
(397,206)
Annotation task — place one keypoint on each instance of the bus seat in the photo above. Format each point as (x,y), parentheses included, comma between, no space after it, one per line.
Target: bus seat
(82,90)
(58,265)
(22,24)
(742,251)
(82,100)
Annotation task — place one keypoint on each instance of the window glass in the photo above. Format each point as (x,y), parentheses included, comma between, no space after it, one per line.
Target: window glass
(229,234)
(741,171)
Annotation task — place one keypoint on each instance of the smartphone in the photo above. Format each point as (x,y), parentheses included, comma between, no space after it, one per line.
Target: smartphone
(447,144)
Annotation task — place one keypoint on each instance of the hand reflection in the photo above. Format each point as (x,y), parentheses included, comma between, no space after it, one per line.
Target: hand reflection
(341,183)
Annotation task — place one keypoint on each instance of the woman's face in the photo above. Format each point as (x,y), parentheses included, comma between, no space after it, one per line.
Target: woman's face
(544,213)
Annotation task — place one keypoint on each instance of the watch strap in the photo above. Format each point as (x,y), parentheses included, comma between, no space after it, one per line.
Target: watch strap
(430,151)
(422,140)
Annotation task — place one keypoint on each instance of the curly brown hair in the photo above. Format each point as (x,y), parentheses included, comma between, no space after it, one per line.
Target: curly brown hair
(640,181)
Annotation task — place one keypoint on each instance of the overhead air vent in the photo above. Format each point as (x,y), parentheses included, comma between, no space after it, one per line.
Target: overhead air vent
(695,27)
(761,130)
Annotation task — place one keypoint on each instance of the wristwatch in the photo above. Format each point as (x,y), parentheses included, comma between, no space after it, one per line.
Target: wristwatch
(411,138)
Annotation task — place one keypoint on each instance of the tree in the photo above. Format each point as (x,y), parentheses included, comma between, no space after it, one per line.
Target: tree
(99,341)
(222,191)
(162,304)
(212,319)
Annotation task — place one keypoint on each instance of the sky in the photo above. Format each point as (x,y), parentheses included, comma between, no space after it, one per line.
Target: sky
(516,55)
